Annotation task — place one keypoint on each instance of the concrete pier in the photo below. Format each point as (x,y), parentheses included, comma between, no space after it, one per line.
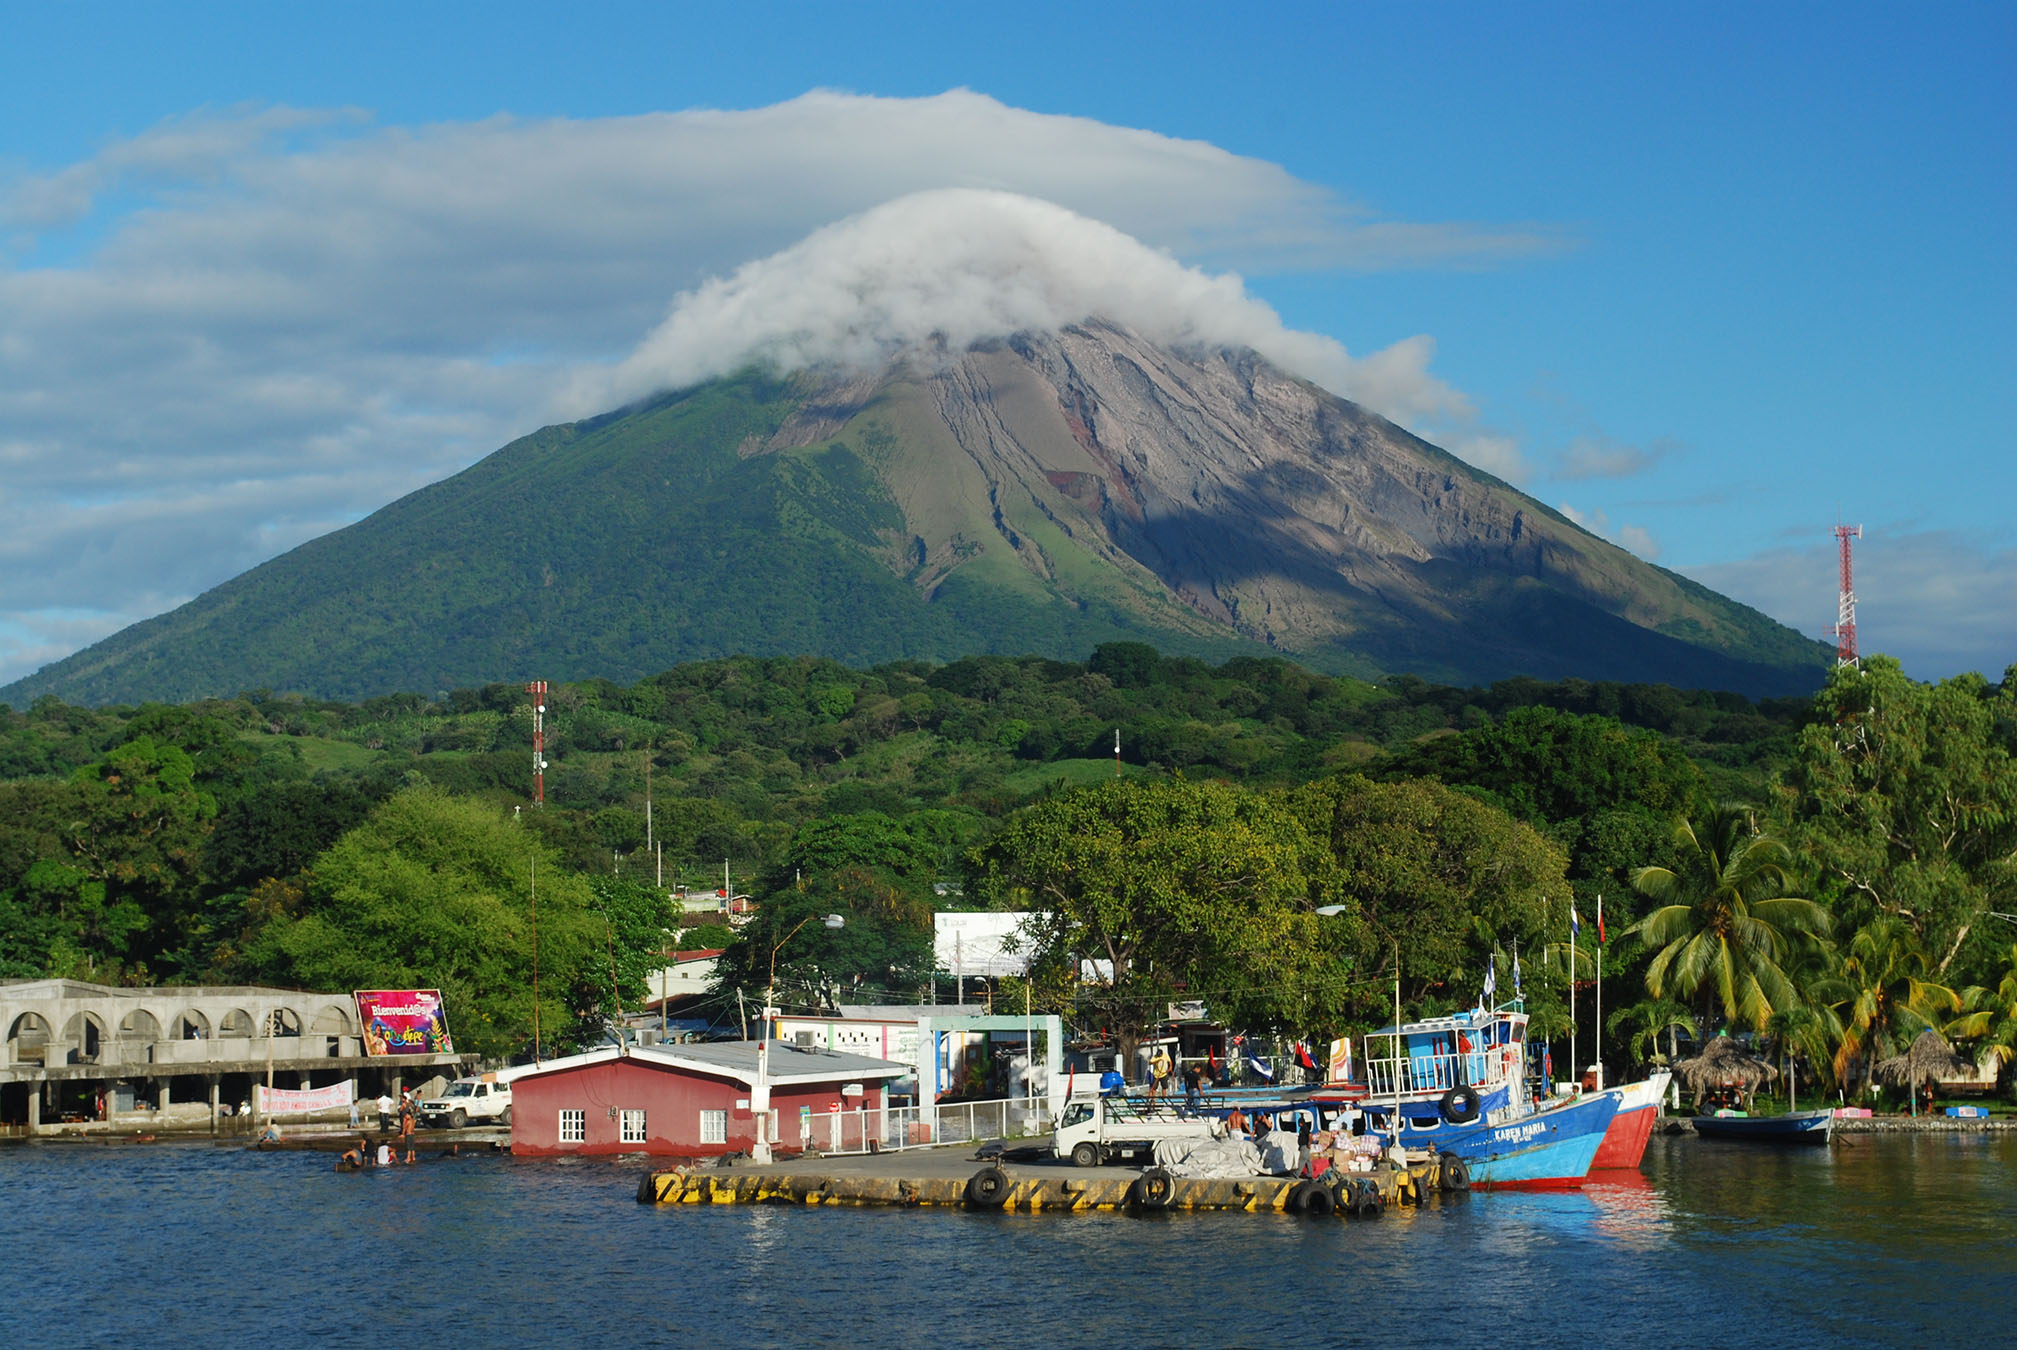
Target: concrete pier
(956,1178)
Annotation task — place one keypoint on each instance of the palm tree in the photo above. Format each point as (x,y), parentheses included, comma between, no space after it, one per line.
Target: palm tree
(1725,927)
(1642,1024)
(1887,995)
(1990,1019)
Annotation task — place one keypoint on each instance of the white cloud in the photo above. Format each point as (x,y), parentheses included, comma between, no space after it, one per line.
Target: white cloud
(959,264)
(1634,539)
(242,326)
(1595,455)
(1938,600)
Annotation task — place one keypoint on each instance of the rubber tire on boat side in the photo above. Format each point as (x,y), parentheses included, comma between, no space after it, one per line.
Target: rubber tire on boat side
(1459,1105)
(1367,1208)
(987,1189)
(1086,1154)
(1453,1175)
(1318,1202)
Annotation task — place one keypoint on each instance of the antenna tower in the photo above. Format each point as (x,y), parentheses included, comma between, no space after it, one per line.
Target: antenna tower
(1844,631)
(538,691)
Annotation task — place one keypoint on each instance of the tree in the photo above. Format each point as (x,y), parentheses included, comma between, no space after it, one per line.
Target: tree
(1990,1020)
(1905,794)
(872,870)
(1446,879)
(436,892)
(1725,928)
(1885,995)
(1169,888)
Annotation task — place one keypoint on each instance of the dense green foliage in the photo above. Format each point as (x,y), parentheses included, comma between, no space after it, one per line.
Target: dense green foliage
(1857,900)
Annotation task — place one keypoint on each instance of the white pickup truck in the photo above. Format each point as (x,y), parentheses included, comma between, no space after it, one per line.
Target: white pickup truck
(467,1099)
(1091,1131)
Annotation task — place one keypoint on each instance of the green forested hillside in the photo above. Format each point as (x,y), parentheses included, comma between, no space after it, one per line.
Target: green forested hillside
(304,842)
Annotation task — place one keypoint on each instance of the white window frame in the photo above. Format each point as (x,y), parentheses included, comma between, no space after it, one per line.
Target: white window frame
(714,1127)
(573,1126)
(631,1125)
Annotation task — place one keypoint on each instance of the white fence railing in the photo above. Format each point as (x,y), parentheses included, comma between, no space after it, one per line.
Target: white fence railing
(896,1128)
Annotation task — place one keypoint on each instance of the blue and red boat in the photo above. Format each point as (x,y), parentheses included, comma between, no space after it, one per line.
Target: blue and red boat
(1457,1085)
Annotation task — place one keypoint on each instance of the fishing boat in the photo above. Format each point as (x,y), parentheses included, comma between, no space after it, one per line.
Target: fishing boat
(1638,1107)
(1456,1085)
(1794,1127)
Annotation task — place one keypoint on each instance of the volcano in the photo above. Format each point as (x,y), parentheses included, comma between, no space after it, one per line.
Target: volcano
(1038,494)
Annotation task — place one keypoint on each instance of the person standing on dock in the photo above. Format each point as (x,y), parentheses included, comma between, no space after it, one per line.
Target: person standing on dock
(1193,1078)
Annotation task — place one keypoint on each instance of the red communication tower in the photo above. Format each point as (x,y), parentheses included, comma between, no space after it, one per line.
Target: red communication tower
(1844,631)
(538,691)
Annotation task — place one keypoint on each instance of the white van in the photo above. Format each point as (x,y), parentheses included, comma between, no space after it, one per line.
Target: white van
(1092,1131)
(467,1099)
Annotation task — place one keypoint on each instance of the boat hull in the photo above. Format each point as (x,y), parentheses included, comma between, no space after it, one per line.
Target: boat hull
(1638,1108)
(1551,1148)
(1801,1127)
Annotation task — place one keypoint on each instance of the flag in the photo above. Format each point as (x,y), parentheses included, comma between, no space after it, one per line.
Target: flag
(1575,922)
(1548,1065)
(1516,974)
(1255,1062)
(1491,978)
(1303,1056)
(1600,920)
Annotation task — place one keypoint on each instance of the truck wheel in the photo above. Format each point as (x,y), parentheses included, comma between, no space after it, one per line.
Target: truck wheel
(1086,1154)
(504,1118)
(457,1118)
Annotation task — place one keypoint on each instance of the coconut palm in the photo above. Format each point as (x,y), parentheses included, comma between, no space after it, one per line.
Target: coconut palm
(1990,1017)
(1725,927)
(1886,995)
(1642,1024)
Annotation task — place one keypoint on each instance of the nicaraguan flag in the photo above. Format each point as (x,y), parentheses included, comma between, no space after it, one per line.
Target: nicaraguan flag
(1575,923)
(1516,975)
(1255,1062)
(1491,978)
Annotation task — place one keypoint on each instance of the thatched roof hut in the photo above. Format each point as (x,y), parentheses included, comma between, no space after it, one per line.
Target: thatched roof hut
(1724,1064)
(1930,1060)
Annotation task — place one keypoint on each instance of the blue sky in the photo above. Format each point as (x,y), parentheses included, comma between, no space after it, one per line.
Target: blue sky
(1708,278)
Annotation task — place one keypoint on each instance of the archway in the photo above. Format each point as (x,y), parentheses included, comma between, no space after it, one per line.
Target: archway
(139,1025)
(191,1025)
(28,1039)
(85,1035)
(237,1022)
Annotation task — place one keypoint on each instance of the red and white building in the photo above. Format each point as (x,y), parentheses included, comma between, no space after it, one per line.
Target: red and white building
(692,1100)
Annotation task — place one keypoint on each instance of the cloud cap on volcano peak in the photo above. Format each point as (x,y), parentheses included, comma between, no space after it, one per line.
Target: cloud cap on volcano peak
(959,265)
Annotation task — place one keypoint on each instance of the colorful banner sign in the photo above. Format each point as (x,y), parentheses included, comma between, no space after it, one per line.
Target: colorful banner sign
(279,1100)
(403,1022)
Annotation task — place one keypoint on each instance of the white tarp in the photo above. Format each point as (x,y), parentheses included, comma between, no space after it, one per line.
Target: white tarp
(1215,1158)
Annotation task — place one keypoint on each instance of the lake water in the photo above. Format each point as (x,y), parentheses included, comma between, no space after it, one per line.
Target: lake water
(1877,1240)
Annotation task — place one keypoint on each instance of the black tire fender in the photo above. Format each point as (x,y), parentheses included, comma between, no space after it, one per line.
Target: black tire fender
(1459,1105)
(987,1189)
(1155,1189)
(1318,1202)
(1454,1176)
(1367,1208)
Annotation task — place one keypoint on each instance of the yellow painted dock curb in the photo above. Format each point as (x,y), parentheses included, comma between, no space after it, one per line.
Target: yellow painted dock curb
(993,1188)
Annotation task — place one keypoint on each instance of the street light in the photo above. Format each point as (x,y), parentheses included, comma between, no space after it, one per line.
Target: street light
(759,1100)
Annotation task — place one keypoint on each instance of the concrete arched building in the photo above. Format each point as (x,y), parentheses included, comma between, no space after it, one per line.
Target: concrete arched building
(83,1050)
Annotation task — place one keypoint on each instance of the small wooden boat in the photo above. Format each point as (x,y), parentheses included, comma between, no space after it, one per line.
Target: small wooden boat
(1795,1127)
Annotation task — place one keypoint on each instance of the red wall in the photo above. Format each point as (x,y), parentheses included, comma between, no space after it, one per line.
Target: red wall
(672,1100)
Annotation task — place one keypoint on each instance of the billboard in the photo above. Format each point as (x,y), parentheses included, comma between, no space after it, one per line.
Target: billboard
(987,943)
(403,1022)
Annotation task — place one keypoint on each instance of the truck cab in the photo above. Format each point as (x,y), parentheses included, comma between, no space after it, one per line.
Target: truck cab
(480,1098)
(1094,1130)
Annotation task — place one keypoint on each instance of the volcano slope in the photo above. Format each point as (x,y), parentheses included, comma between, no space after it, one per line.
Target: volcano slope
(1040,494)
